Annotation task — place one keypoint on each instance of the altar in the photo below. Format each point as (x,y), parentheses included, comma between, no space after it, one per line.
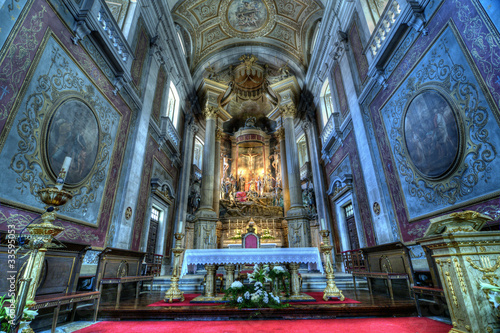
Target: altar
(211,258)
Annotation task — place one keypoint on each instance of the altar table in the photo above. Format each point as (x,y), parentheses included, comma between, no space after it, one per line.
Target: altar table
(212,258)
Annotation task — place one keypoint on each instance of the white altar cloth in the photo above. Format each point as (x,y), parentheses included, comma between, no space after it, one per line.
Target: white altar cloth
(306,255)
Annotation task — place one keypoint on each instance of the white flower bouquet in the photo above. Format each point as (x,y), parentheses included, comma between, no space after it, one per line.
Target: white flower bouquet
(253,295)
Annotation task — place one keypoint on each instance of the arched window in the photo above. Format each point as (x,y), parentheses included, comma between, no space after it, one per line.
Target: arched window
(173,104)
(326,105)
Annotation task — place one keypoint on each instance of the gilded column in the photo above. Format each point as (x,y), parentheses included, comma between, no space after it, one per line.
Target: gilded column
(299,234)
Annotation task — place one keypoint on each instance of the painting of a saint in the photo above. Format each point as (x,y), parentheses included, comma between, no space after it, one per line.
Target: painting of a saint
(247,15)
(431,133)
(73,131)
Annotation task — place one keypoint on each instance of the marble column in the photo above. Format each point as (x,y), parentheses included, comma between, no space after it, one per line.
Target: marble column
(217,184)
(280,136)
(187,160)
(207,182)
(299,234)
(319,182)
(205,217)
(292,158)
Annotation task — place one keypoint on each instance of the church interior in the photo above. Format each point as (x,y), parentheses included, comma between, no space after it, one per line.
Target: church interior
(238,165)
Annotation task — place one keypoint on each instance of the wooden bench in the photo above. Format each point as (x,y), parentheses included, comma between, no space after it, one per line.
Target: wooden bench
(58,280)
(118,266)
(388,262)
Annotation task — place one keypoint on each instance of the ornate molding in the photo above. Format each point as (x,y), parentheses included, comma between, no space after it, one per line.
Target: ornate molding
(210,112)
(288,111)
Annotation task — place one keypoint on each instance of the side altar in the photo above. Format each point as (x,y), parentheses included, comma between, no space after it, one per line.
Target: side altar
(229,258)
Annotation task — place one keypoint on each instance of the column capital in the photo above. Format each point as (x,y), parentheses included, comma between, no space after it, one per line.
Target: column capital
(210,112)
(306,125)
(288,110)
(218,135)
(280,134)
(193,128)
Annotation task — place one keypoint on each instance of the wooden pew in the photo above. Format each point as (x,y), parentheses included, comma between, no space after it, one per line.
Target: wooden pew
(58,279)
(118,266)
(388,262)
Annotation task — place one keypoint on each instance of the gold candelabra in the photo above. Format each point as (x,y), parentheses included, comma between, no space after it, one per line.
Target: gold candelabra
(331,289)
(40,239)
(173,293)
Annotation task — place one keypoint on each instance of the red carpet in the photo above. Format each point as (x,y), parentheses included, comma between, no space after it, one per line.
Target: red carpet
(362,325)
(317,296)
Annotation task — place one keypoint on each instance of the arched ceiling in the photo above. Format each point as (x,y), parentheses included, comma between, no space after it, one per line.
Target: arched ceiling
(218,32)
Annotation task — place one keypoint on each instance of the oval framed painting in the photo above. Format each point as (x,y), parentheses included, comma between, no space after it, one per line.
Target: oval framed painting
(431,132)
(73,130)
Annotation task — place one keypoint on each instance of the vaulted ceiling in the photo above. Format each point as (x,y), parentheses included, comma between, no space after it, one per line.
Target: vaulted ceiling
(217,33)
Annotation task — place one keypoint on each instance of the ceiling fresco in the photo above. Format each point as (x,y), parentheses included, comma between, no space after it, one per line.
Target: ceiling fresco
(275,30)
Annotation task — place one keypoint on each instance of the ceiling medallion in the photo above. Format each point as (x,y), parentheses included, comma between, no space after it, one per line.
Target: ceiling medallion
(248,19)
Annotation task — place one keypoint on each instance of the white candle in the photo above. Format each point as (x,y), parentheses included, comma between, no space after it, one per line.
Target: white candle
(323,224)
(63,173)
(179,229)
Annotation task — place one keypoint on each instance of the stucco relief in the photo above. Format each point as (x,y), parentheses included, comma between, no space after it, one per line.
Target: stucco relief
(247,15)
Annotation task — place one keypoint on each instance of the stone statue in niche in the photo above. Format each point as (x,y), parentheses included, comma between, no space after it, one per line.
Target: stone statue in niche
(194,197)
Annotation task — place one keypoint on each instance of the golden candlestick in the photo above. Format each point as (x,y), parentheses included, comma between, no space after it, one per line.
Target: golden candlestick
(40,238)
(331,289)
(173,293)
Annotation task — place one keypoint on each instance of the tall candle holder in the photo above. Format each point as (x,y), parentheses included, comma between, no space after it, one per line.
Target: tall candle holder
(173,293)
(331,289)
(40,239)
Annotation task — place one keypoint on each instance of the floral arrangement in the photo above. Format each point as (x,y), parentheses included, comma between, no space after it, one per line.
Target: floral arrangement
(280,278)
(6,317)
(493,293)
(253,295)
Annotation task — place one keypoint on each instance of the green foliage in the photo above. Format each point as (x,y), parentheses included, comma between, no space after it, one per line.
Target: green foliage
(4,316)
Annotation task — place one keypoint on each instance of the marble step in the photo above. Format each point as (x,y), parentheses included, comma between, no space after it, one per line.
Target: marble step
(192,283)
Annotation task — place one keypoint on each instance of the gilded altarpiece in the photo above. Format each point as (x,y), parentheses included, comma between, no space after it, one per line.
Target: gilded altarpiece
(441,100)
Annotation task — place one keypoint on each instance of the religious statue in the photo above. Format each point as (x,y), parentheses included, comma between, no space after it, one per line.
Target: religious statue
(225,165)
(241,183)
(250,122)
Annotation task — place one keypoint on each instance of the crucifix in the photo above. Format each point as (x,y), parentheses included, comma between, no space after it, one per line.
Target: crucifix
(251,162)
